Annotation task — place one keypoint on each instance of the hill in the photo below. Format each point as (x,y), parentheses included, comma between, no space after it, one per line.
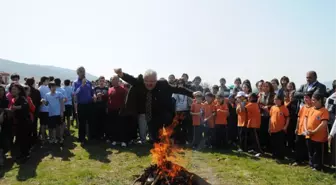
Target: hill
(37,71)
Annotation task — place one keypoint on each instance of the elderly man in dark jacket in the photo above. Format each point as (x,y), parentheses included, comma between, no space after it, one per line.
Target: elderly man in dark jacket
(154,98)
(312,85)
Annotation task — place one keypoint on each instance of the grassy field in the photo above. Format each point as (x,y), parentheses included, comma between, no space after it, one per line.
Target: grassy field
(98,164)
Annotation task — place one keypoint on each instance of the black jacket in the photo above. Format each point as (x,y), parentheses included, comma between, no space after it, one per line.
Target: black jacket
(317,88)
(161,95)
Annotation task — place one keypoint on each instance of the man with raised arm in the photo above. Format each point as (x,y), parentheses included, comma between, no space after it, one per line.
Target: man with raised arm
(154,97)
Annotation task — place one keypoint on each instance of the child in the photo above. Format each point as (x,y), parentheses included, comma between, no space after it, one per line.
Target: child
(221,121)
(316,125)
(241,112)
(278,124)
(196,113)
(209,119)
(301,151)
(22,120)
(44,115)
(293,108)
(55,102)
(253,122)
(232,121)
(30,102)
(68,104)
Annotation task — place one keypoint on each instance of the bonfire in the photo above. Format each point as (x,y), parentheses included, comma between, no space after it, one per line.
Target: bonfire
(165,171)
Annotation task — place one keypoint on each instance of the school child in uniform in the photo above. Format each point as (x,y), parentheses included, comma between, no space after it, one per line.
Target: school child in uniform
(209,119)
(221,121)
(55,102)
(241,112)
(317,131)
(278,124)
(197,117)
(253,123)
(232,121)
(68,104)
(301,150)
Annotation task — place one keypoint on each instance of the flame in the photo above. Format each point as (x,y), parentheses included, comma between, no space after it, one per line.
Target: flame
(164,152)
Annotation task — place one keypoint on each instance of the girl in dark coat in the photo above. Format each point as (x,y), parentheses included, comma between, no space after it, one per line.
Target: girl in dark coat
(22,119)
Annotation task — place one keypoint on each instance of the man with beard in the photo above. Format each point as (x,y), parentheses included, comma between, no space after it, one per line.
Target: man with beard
(155,97)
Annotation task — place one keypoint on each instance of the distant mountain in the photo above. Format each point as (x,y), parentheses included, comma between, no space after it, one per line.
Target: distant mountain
(37,71)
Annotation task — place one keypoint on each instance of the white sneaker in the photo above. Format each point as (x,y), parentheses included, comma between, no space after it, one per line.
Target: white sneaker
(114,143)
(123,144)
(240,150)
(258,155)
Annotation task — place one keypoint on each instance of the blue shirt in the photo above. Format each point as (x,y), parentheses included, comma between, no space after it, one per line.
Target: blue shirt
(54,103)
(68,94)
(43,91)
(84,93)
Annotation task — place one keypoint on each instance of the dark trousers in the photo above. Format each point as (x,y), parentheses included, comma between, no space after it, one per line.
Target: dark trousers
(6,136)
(242,136)
(131,127)
(157,123)
(264,135)
(316,154)
(232,128)
(98,121)
(333,151)
(290,134)
(278,145)
(24,137)
(221,136)
(85,112)
(301,150)
(198,135)
(34,126)
(116,127)
(253,139)
(184,130)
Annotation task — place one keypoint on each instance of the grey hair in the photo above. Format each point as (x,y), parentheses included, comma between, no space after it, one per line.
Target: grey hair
(150,72)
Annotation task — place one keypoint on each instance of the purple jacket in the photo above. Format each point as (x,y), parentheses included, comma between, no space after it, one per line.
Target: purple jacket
(84,93)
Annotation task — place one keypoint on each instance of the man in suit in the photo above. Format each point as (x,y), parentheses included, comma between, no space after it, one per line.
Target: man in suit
(312,85)
(154,98)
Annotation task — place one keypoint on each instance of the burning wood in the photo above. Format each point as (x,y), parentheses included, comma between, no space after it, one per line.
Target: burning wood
(165,172)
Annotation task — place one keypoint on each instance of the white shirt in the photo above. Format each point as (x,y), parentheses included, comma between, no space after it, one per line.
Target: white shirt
(43,91)
(181,102)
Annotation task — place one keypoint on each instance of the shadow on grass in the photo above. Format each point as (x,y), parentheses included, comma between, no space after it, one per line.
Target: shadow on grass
(27,170)
(138,150)
(98,151)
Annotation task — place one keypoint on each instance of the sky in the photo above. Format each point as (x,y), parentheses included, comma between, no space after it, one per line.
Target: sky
(254,39)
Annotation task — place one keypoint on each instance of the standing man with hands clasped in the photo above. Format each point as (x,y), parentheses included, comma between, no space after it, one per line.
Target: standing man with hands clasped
(155,97)
(83,97)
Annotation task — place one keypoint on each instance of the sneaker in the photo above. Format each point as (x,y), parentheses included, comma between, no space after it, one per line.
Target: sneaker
(240,150)
(295,164)
(140,142)
(123,144)
(114,143)
(108,141)
(257,155)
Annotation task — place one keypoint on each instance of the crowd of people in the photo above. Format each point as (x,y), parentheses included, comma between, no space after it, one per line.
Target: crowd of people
(277,119)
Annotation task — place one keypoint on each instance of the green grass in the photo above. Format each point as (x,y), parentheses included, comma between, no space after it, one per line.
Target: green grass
(99,164)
